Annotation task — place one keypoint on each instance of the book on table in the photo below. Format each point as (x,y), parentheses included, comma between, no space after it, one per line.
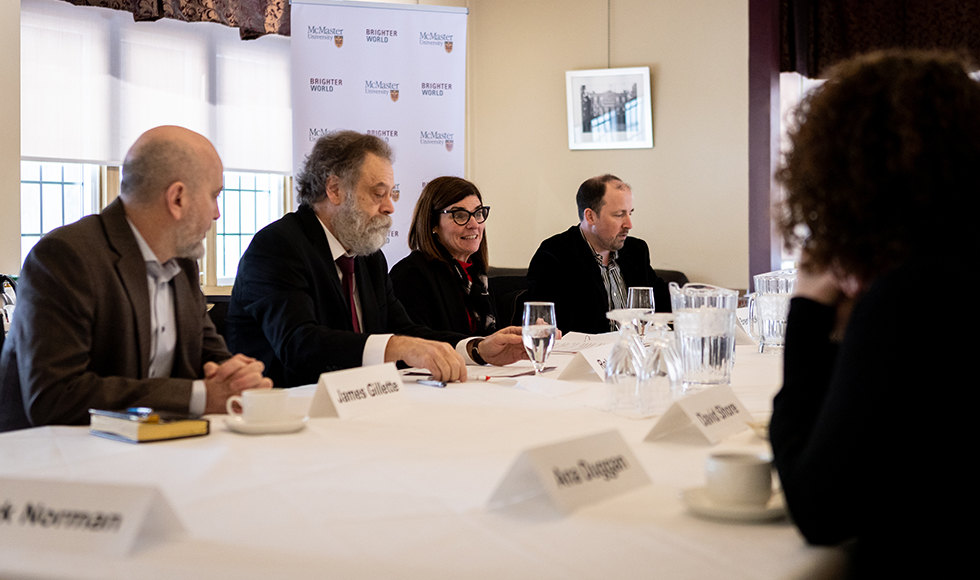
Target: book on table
(142,424)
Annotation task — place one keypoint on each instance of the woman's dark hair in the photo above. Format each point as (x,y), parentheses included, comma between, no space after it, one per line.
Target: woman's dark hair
(437,195)
(884,162)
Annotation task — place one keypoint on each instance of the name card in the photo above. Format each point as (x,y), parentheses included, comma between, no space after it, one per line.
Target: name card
(587,363)
(573,473)
(84,517)
(355,392)
(716,413)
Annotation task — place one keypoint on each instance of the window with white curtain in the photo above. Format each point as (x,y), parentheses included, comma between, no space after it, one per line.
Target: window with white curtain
(93,80)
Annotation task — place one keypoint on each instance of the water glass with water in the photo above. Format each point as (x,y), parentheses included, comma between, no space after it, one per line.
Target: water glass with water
(538,331)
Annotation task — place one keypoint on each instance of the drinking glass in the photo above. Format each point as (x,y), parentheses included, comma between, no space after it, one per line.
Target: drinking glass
(640,298)
(538,332)
(624,366)
(662,367)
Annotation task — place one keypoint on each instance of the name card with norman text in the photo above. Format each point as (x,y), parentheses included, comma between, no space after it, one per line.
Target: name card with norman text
(70,516)
(716,413)
(360,391)
(572,474)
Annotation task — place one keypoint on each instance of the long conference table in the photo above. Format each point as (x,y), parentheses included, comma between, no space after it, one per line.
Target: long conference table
(404,494)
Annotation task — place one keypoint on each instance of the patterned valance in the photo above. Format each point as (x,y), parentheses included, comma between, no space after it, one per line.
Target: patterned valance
(816,34)
(253,18)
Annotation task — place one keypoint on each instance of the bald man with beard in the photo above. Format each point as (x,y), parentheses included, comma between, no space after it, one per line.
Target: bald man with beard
(110,314)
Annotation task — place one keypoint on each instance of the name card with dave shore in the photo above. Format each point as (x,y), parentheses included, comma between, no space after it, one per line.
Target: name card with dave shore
(70,516)
(359,391)
(572,474)
(715,413)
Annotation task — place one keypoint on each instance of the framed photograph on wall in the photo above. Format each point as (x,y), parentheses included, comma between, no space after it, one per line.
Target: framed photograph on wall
(609,108)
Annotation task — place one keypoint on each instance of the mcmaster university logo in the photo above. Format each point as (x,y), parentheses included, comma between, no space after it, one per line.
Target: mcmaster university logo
(436,138)
(394,95)
(314,32)
(449,46)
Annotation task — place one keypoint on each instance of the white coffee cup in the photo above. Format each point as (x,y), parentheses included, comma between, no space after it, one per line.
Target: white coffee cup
(739,478)
(260,405)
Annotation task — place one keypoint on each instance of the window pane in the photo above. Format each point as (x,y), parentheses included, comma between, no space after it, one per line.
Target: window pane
(30,207)
(53,194)
(250,201)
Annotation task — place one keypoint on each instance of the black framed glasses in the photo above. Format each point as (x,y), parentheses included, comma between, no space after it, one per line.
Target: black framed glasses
(462,217)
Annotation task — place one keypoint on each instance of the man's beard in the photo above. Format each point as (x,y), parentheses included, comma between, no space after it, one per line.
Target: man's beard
(360,234)
(187,247)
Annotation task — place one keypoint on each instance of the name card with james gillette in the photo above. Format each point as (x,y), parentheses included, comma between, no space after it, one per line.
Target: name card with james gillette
(73,516)
(714,414)
(572,474)
(359,391)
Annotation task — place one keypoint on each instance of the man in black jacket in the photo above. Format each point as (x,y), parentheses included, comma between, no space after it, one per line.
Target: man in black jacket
(587,270)
(313,294)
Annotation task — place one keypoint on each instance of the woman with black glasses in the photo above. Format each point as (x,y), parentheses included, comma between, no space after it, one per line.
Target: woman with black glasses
(443,282)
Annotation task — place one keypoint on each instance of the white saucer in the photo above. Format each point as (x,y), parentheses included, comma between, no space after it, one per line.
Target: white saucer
(700,503)
(238,425)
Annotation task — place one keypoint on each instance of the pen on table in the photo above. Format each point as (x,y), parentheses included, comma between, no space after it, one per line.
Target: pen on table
(430,382)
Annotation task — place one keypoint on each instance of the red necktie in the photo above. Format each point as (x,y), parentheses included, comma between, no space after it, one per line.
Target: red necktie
(346,264)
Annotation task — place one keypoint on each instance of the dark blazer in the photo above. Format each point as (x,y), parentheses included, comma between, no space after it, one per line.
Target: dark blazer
(430,293)
(564,271)
(81,332)
(288,308)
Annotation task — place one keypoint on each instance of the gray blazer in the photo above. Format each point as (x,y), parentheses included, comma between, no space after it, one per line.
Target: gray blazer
(80,337)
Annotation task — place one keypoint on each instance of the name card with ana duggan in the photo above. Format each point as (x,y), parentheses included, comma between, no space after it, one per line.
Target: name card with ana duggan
(715,413)
(359,391)
(70,516)
(572,474)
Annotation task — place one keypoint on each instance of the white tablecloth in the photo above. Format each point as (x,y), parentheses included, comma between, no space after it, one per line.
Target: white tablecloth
(403,494)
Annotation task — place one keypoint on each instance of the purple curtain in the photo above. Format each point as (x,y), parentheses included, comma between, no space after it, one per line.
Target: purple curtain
(816,34)
(253,18)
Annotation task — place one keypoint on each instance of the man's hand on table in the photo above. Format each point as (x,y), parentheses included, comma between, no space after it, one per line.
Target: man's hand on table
(231,377)
(503,347)
(438,358)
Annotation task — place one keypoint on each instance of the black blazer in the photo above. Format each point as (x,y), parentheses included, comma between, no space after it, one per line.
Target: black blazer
(288,308)
(431,294)
(564,271)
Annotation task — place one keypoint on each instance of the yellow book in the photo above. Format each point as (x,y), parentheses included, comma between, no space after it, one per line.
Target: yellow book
(142,424)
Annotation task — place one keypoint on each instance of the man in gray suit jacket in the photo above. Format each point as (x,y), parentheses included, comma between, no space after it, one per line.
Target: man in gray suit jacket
(110,314)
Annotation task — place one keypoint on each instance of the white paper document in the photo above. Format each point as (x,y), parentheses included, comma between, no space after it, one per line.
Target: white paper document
(574,342)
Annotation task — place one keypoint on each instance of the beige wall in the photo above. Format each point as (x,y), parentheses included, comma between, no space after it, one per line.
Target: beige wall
(690,190)
(10,136)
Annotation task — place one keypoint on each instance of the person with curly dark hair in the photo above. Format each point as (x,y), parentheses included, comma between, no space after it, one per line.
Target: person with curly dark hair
(880,183)
(443,283)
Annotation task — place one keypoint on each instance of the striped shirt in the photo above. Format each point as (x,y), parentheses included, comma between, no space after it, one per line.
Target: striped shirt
(612,279)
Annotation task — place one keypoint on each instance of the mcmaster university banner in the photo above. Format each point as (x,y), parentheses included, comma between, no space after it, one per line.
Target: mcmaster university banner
(392,70)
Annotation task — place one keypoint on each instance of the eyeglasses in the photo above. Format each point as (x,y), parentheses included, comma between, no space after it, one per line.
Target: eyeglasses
(462,217)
